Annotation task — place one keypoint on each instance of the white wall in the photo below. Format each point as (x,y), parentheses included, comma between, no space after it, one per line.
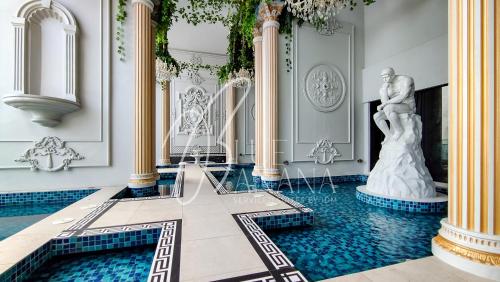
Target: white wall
(410,36)
(104,141)
(391,32)
(334,122)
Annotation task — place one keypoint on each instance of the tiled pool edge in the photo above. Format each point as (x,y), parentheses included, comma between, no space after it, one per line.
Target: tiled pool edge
(100,239)
(280,268)
(41,197)
(402,205)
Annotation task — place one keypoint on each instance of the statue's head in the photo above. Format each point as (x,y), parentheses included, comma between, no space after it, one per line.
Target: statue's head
(387,74)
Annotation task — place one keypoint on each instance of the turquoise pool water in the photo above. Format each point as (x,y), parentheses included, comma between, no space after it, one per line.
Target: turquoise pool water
(15,218)
(131,264)
(239,179)
(350,236)
(125,194)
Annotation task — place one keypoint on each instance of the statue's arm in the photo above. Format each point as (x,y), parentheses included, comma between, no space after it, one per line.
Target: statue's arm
(405,88)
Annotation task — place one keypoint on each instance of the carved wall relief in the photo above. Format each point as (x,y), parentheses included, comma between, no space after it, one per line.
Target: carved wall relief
(325,88)
(195,113)
(49,148)
(193,73)
(324,152)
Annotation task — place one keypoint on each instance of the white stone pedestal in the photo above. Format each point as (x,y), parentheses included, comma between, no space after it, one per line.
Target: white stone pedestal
(400,171)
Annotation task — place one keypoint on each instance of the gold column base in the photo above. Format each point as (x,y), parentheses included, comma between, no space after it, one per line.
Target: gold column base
(471,254)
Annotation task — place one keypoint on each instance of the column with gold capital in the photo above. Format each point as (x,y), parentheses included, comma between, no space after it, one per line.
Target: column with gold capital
(164,75)
(269,13)
(257,43)
(143,180)
(231,157)
(470,237)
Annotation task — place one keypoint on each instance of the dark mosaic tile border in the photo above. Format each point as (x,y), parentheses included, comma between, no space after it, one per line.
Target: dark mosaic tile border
(218,187)
(177,191)
(108,238)
(285,199)
(92,216)
(270,254)
(27,198)
(278,219)
(270,184)
(104,241)
(321,180)
(401,205)
(167,258)
(269,276)
(280,268)
(143,191)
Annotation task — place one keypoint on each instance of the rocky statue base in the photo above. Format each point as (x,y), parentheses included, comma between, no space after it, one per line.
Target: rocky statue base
(400,171)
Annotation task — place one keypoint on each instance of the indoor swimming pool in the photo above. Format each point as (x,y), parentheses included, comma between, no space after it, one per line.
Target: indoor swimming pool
(130,264)
(350,236)
(237,179)
(15,218)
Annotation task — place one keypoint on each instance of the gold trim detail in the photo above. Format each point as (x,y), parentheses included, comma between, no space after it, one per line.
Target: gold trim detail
(471,254)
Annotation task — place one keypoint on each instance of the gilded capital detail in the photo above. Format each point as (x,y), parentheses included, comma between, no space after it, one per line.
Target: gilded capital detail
(270,12)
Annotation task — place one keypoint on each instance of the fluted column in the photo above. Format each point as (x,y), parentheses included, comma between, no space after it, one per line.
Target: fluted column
(269,14)
(257,43)
(165,119)
(153,95)
(144,173)
(231,157)
(470,237)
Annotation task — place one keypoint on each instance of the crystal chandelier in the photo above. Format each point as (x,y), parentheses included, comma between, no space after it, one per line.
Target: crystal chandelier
(321,13)
(164,72)
(240,79)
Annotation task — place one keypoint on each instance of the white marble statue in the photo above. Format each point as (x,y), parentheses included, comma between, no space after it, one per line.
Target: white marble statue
(400,171)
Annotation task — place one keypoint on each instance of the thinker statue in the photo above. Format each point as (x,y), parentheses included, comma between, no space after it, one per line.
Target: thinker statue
(400,170)
(397,96)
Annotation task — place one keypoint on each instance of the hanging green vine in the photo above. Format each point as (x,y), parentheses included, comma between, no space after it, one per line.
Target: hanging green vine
(121,15)
(238,15)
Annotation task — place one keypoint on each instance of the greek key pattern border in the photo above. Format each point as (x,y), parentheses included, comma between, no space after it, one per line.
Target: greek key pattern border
(270,254)
(93,215)
(166,261)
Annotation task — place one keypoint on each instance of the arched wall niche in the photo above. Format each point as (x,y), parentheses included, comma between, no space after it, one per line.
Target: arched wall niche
(44,61)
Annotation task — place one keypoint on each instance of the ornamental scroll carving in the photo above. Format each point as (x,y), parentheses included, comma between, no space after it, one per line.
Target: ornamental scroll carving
(51,148)
(325,88)
(324,152)
(195,113)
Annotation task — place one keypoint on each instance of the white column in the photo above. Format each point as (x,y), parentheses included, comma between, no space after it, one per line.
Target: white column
(165,119)
(469,238)
(144,173)
(269,14)
(231,157)
(257,43)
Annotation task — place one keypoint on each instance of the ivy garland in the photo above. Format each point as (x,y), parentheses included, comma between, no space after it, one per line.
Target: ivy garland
(121,15)
(240,19)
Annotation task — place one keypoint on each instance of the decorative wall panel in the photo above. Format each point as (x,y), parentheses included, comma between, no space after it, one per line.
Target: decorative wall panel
(323,88)
(197,107)
(87,130)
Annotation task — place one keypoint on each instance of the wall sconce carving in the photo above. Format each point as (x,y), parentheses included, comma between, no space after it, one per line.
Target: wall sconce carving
(44,76)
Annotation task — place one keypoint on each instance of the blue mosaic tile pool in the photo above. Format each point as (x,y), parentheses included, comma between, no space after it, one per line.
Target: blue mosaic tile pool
(15,218)
(145,192)
(350,236)
(238,179)
(131,264)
